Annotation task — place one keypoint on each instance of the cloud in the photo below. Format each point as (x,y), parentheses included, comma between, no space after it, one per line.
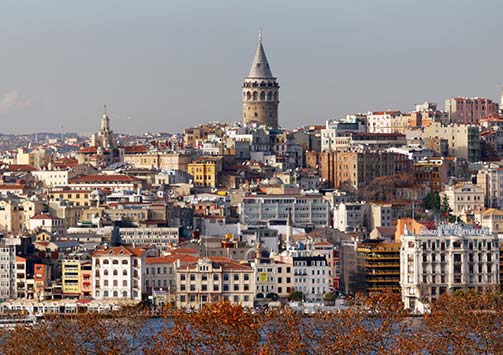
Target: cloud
(12,101)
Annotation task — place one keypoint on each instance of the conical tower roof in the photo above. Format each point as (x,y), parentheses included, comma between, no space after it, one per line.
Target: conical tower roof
(260,67)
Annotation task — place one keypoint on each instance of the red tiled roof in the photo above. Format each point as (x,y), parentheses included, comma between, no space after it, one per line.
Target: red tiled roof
(119,250)
(44,216)
(135,149)
(103,178)
(12,187)
(20,167)
(88,150)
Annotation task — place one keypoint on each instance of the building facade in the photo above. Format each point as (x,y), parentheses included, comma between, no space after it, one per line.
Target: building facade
(452,257)
(260,92)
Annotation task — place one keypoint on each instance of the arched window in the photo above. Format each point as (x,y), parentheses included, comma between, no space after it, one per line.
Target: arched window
(97,262)
(116,272)
(124,262)
(269,96)
(97,273)
(116,294)
(97,293)
(124,283)
(124,294)
(105,294)
(255,95)
(115,262)
(105,272)
(248,96)
(275,96)
(262,84)
(262,96)
(105,262)
(124,272)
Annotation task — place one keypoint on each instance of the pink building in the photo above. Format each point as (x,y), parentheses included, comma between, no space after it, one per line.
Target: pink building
(462,110)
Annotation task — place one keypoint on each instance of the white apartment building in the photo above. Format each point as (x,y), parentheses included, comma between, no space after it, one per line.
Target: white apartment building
(348,216)
(207,281)
(452,257)
(160,237)
(48,223)
(305,210)
(311,276)
(8,286)
(272,276)
(52,178)
(490,179)
(464,198)
(119,273)
(383,121)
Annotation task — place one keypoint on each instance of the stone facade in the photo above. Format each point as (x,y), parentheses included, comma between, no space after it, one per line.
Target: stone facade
(260,92)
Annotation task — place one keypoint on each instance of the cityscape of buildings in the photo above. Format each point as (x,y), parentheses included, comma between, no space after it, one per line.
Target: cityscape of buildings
(252,213)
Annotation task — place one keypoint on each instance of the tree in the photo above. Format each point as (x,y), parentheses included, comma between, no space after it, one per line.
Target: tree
(445,209)
(297,296)
(329,297)
(432,201)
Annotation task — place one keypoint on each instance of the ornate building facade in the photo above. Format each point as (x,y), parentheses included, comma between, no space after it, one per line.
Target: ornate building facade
(260,92)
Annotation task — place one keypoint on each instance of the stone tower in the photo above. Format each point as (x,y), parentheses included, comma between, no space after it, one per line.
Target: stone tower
(260,92)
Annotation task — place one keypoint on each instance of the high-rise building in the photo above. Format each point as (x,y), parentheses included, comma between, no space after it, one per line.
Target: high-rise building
(260,92)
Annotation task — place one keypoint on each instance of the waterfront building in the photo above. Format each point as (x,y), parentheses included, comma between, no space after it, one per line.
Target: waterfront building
(119,272)
(449,258)
(212,280)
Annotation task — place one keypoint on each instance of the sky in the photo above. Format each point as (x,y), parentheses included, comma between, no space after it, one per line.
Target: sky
(165,65)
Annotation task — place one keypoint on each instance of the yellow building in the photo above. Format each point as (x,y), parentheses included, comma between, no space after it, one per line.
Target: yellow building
(378,265)
(70,278)
(205,171)
(76,197)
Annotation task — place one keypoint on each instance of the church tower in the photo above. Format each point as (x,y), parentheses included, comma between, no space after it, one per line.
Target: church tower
(260,92)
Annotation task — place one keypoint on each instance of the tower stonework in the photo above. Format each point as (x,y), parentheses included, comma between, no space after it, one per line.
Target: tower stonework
(260,92)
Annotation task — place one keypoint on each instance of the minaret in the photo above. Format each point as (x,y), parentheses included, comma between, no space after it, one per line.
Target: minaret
(260,92)
(289,228)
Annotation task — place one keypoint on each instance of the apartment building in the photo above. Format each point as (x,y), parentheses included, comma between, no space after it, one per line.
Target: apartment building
(174,161)
(8,286)
(306,210)
(311,276)
(348,216)
(119,272)
(463,140)
(463,110)
(160,237)
(449,258)
(378,266)
(464,198)
(357,169)
(205,171)
(16,214)
(490,179)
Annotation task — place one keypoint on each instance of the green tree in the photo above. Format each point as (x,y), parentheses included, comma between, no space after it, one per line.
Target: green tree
(432,201)
(296,296)
(445,209)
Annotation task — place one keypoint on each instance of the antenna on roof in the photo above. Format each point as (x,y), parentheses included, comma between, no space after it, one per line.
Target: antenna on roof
(105,109)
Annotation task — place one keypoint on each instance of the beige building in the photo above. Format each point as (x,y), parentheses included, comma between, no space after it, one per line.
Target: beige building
(52,178)
(492,219)
(160,160)
(15,214)
(213,280)
(260,92)
(464,198)
(463,140)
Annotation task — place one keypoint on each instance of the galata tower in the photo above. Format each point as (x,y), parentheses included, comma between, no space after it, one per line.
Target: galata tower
(260,92)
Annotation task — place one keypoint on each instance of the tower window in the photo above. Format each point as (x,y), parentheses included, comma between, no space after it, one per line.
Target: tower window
(256,114)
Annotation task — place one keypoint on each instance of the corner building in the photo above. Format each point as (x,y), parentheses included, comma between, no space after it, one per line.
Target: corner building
(260,92)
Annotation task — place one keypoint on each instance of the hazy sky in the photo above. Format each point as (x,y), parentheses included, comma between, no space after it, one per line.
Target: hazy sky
(164,65)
